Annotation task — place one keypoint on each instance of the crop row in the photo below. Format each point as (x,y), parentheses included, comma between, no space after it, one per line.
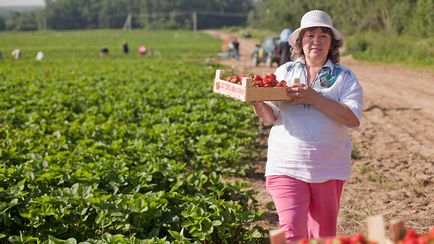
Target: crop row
(122,150)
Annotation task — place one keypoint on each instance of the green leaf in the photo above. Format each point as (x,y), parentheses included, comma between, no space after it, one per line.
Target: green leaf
(216,223)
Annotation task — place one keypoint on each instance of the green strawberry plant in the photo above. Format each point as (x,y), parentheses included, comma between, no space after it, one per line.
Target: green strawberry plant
(123,150)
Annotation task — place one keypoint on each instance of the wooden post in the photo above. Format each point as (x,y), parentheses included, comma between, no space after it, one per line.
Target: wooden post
(396,230)
(194,17)
(246,82)
(375,228)
(218,74)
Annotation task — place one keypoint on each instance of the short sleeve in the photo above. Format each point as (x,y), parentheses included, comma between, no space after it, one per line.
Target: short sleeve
(352,94)
(281,72)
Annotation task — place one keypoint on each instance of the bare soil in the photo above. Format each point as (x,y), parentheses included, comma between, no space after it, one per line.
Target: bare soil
(394,173)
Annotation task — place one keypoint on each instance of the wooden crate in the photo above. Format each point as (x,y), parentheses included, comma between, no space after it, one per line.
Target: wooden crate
(246,92)
(376,233)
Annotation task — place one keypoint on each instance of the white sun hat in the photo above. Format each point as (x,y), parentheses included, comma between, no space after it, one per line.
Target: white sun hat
(315,18)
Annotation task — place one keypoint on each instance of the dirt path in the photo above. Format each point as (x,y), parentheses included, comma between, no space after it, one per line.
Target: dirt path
(394,175)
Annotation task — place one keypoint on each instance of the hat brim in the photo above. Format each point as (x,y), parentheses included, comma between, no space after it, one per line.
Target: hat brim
(294,35)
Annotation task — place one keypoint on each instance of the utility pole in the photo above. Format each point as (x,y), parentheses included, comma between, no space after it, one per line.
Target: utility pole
(127,25)
(194,17)
(44,23)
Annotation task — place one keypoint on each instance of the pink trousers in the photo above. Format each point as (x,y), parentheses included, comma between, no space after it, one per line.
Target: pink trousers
(306,210)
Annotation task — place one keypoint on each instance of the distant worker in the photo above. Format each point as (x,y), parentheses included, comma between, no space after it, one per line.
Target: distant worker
(125,48)
(39,56)
(257,52)
(1,56)
(142,50)
(235,48)
(284,47)
(103,52)
(16,54)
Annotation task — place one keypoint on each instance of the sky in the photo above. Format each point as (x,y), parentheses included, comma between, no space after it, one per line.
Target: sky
(21,2)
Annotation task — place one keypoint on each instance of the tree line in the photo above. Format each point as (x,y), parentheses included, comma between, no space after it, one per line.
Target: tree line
(413,17)
(148,14)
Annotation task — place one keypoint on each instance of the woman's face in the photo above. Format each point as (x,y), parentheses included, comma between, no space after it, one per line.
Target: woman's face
(316,45)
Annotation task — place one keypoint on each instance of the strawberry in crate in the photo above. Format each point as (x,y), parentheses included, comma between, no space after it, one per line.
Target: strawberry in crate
(411,237)
(269,80)
(234,79)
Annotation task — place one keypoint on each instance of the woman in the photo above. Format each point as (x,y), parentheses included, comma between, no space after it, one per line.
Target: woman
(309,148)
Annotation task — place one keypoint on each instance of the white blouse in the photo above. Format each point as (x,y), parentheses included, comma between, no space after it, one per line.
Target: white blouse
(303,142)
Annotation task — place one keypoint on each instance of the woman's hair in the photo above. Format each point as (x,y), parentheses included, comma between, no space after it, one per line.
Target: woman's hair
(333,55)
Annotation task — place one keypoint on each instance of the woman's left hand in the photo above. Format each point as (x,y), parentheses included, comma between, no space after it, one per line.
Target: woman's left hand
(336,111)
(302,93)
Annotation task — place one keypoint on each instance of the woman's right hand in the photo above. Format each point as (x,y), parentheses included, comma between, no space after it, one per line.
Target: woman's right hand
(293,91)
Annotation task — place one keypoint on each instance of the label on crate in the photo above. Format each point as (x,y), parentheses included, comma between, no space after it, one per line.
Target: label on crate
(231,90)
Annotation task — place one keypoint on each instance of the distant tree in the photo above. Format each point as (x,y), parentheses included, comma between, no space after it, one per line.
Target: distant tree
(2,24)
(113,13)
(350,16)
(89,10)
(173,14)
(22,21)
(268,14)
(64,14)
(218,13)
(422,23)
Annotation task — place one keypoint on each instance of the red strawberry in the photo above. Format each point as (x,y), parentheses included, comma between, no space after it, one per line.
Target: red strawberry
(357,239)
(272,76)
(258,77)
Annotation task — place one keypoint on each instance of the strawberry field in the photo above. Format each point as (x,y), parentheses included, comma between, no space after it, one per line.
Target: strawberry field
(122,149)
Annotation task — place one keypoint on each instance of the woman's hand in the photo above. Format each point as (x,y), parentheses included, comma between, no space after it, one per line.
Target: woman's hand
(300,93)
(334,110)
